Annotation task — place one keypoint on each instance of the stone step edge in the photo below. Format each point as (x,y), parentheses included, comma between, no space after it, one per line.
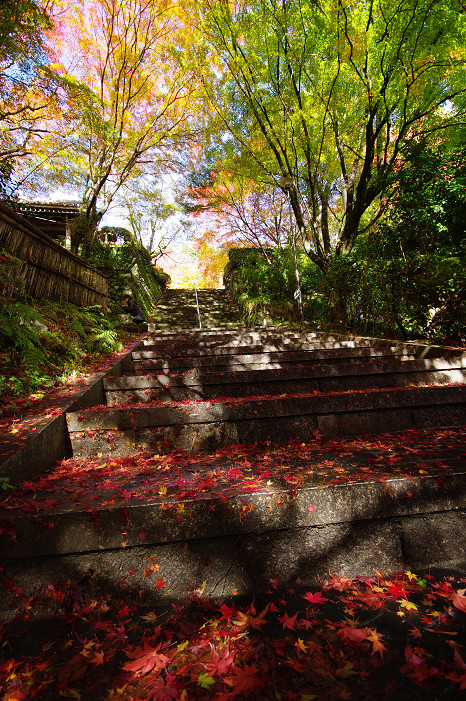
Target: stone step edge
(234,409)
(164,521)
(281,331)
(251,564)
(200,377)
(245,361)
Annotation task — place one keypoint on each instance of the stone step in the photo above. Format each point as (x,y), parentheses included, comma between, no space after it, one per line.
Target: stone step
(195,528)
(255,360)
(283,338)
(206,425)
(179,308)
(165,350)
(323,377)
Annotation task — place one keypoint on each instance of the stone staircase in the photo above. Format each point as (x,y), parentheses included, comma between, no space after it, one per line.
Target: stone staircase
(209,389)
(242,506)
(178,309)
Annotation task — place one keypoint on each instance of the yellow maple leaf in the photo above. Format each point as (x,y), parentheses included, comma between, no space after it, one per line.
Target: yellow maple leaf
(377,644)
(301,645)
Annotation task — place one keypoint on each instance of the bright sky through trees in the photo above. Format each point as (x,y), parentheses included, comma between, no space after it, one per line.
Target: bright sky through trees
(269,102)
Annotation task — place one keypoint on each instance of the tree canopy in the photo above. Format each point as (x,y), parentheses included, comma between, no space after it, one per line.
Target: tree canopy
(125,100)
(323,99)
(26,92)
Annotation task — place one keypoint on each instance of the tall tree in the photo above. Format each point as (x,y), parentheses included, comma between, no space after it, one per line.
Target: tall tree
(149,215)
(324,97)
(243,214)
(127,99)
(26,91)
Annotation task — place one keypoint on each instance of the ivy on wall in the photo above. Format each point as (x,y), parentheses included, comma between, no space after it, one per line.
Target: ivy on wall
(129,270)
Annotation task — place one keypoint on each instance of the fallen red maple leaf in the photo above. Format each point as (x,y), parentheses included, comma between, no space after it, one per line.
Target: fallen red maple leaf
(416,667)
(227,612)
(220,665)
(244,680)
(316,598)
(351,633)
(249,619)
(147,659)
(160,691)
(459,600)
(288,621)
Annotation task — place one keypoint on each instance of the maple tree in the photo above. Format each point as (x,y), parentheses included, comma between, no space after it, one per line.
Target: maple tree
(321,101)
(27,90)
(148,213)
(244,215)
(125,103)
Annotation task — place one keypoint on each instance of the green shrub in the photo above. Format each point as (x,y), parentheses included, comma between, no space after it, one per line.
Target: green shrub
(129,270)
(42,342)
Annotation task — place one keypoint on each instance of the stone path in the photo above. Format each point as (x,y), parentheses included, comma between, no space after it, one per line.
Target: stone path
(198,447)
(226,462)
(177,309)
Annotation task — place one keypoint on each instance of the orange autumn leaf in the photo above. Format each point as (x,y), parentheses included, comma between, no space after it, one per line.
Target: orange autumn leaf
(377,644)
(249,619)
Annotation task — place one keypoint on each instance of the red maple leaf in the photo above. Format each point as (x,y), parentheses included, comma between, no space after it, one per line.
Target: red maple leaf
(147,659)
(351,633)
(416,667)
(244,680)
(249,619)
(459,600)
(160,691)
(220,665)
(316,598)
(227,612)
(288,622)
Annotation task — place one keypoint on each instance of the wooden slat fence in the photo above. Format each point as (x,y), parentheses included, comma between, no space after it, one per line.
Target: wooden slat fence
(48,270)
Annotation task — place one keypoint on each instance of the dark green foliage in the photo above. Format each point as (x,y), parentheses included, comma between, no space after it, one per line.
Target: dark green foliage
(263,288)
(427,213)
(41,341)
(129,270)
(406,278)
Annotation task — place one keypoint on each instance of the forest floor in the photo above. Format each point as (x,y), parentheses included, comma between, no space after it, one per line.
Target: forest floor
(392,635)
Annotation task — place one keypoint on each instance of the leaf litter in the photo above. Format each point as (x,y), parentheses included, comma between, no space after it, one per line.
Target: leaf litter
(398,635)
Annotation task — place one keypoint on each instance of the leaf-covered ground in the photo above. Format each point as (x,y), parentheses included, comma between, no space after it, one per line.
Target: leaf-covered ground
(78,484)
(396,635)
(393,636)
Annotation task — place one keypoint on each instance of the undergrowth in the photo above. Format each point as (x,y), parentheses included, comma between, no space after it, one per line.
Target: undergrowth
(42,343)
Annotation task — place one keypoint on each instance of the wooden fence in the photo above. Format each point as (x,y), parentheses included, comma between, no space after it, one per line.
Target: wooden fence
(48,270)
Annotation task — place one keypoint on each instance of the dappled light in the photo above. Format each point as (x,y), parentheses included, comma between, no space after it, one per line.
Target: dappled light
(232,370)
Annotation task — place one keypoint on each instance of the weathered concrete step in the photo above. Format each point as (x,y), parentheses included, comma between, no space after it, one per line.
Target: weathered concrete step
(180,518)
(241,361)
(242,546)
(205,425)
(225,343)
(246,564)
(284,338)
(165,350)
(179,308)
(329,377)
